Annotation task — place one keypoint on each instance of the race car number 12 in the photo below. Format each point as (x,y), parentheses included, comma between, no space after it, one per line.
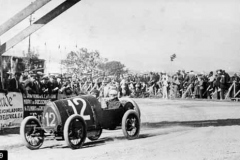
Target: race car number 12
(75,101)
(48,116)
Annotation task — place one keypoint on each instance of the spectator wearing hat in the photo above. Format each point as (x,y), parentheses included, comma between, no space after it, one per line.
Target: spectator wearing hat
(189,81)
(181,76)
(164,88)
(223,85)
(75,86)
(210,84)
(14,83)
(104,89)
(53,85)
(44,85)
(216,83)
(59,81)
(66,88)
(6,79)
(196,86)
(37,84)
(32,85)
(174,86)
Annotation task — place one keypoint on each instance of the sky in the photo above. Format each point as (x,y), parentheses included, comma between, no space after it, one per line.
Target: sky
(204,34)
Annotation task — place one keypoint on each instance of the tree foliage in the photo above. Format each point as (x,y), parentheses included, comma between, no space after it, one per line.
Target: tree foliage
(115,68)
(84,61)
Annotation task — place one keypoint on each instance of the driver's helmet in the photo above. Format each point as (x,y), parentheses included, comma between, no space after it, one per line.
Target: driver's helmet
(95,93)
(113,94)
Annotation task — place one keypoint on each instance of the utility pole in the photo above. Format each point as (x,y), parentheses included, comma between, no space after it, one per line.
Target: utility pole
(29,38)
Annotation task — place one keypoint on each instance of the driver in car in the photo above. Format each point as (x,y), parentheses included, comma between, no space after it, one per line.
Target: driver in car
(113,101)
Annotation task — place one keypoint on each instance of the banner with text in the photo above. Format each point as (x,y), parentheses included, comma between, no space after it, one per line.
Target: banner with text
(11,109)
(34,104)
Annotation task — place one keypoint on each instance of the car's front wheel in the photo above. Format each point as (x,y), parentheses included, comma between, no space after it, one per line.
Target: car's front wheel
(75,131)
(32,132)
(131,124)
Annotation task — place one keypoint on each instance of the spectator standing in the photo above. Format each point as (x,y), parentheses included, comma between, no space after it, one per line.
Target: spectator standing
(14,83)
(189,80)
(223,85)
(201,86)
(44,85)
(174,87)
(164,89)
(210,88)
(53,85)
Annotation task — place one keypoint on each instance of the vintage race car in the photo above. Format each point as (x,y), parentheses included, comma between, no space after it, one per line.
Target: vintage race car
(76,118)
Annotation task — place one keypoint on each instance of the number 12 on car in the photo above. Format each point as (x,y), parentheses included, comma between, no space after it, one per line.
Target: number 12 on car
(75,103)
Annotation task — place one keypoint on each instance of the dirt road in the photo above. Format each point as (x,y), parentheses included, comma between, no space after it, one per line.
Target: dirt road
(171,130)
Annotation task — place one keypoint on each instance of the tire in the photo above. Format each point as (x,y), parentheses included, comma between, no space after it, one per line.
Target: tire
(95,137)
(75,131)
(32,133)
(131,124)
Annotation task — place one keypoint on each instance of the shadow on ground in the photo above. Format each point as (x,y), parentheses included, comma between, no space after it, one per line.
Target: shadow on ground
(204,123)
(173,128)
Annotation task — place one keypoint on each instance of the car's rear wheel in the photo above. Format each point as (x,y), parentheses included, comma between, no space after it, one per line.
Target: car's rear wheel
(75,131)
(95,137)
(131,124)
(32,133)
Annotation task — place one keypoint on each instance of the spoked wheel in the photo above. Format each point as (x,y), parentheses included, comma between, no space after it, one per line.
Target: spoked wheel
(95,137)
(32,133)
(131,125)
(75,131)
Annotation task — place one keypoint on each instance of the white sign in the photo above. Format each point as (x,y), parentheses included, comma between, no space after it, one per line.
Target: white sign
(11,109)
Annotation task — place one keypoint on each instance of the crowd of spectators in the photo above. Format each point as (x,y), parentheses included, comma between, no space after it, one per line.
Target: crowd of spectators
(214,85)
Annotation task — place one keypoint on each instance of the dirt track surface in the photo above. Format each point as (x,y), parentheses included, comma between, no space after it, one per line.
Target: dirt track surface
(171,130)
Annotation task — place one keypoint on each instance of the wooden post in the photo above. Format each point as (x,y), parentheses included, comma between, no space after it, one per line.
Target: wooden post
(234,88)
(188,89)
(229,90)
(236,93)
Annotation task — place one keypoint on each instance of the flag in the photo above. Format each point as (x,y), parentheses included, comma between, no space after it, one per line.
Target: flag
(172,57)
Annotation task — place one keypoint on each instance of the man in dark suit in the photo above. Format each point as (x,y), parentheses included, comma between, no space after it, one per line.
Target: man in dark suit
(14,84)
(53,85)
(33,85)
(44,85)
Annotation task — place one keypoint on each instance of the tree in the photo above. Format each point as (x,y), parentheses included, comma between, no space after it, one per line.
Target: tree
(82,61)
(115,68)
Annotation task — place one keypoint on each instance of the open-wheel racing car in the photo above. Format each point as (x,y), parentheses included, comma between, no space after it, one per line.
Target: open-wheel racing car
(76,118)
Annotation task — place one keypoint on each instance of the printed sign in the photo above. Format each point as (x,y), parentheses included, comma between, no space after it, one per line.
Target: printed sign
(34,104)
(11,109)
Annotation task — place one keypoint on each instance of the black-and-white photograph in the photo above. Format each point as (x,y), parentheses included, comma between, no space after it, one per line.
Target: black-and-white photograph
(119,80)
